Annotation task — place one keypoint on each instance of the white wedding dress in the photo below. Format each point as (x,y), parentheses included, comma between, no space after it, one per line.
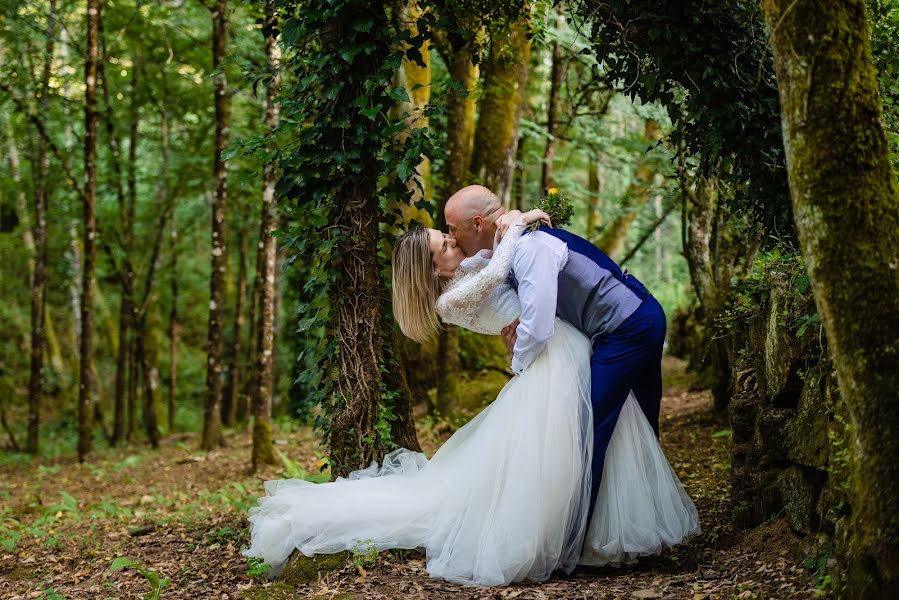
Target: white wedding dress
(504,499)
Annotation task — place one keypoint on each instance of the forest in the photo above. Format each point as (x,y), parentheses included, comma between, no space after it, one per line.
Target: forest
(200,200)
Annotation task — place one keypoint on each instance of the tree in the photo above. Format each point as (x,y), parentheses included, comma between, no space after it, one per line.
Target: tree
(85,388)
(341,178)
(263,451)
(40,172)
(505,78)
(212,435)
(846,208)
(556,79)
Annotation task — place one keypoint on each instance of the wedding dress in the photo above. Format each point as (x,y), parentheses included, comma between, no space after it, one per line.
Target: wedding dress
(504,499)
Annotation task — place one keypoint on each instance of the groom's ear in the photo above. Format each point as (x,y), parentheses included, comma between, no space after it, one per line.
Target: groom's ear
(478,222)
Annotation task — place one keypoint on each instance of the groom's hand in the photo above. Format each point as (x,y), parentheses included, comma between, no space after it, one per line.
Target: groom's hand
(510,334)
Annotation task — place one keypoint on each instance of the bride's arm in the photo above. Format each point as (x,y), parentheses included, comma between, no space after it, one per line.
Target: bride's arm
(461,301)
(532,216)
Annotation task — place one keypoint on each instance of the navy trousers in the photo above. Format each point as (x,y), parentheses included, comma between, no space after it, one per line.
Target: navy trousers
(628,358)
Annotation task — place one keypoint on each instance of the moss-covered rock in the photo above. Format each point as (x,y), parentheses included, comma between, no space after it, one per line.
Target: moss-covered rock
(771,438)
(743,411)
(800,490)
(756,495)
(782,352)
(808,440)
(301,569)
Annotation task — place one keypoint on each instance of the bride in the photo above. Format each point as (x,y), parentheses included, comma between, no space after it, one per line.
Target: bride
(505,498)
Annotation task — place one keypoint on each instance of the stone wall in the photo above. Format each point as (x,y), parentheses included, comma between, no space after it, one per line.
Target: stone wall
(789,438)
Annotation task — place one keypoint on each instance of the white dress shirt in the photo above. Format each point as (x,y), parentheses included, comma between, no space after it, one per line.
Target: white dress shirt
(538,259)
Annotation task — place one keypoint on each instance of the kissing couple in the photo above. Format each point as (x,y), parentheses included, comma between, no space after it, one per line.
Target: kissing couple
(563,468)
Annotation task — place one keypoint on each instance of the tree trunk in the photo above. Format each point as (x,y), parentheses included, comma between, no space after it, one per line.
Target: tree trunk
(460,113)
(212,435)
(496,136)
(558,75)
(594,195)
(263,451)
(637,195)
(148,376)
(38,277)
(229,405)
(173,328)
(846,208)
(126,217)
(359,332)
(85,388)
(249,385)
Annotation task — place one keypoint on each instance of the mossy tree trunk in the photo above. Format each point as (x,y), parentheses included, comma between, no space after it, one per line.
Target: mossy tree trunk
(460,113)
(846,209)
(505,79)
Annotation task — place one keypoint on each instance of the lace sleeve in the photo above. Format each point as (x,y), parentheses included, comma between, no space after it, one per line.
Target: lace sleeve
(460,302)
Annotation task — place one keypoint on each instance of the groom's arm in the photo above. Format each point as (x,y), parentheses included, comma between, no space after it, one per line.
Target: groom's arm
(537,262)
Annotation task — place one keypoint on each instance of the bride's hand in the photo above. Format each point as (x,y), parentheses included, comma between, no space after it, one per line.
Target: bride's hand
(503,222)
(532,216)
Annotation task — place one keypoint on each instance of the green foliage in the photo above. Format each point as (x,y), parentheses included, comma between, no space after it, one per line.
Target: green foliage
(708,64)
(750,295)
(257,568)
(157,583)
(557,206)
(336,110)
(883,22)
(365,554)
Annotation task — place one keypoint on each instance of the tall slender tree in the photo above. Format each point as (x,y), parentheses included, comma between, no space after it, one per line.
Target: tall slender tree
(212,435)
(85,388)
(231,398)
(552,112)
(846,209)
(40,171)
(263,451)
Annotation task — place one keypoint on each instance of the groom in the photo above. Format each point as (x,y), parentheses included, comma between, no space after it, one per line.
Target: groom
(557,273)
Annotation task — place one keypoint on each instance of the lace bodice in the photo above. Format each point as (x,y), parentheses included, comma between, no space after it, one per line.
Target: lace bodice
(479,297)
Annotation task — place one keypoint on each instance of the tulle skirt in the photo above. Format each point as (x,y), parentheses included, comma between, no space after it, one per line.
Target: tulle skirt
(504,499)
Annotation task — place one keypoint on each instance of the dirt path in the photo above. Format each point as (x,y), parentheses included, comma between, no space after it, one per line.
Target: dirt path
(180,515)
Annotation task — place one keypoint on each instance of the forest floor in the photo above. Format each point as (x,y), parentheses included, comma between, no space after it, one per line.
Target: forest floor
(180,514)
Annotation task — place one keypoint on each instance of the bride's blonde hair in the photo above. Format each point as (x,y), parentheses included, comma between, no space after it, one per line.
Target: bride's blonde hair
(415,286)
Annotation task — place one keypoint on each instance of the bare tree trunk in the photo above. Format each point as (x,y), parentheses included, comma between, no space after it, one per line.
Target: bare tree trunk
(229,405)
(85,389)
(148,376)
(846,209)
(38,277)
(594,197)
(558,75)
(212,435)
(505,79)
(249,385)
(263,451)
(173,328)
(126,217)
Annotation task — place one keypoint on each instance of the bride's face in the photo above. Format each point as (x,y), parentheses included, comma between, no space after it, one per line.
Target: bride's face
(445,252)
